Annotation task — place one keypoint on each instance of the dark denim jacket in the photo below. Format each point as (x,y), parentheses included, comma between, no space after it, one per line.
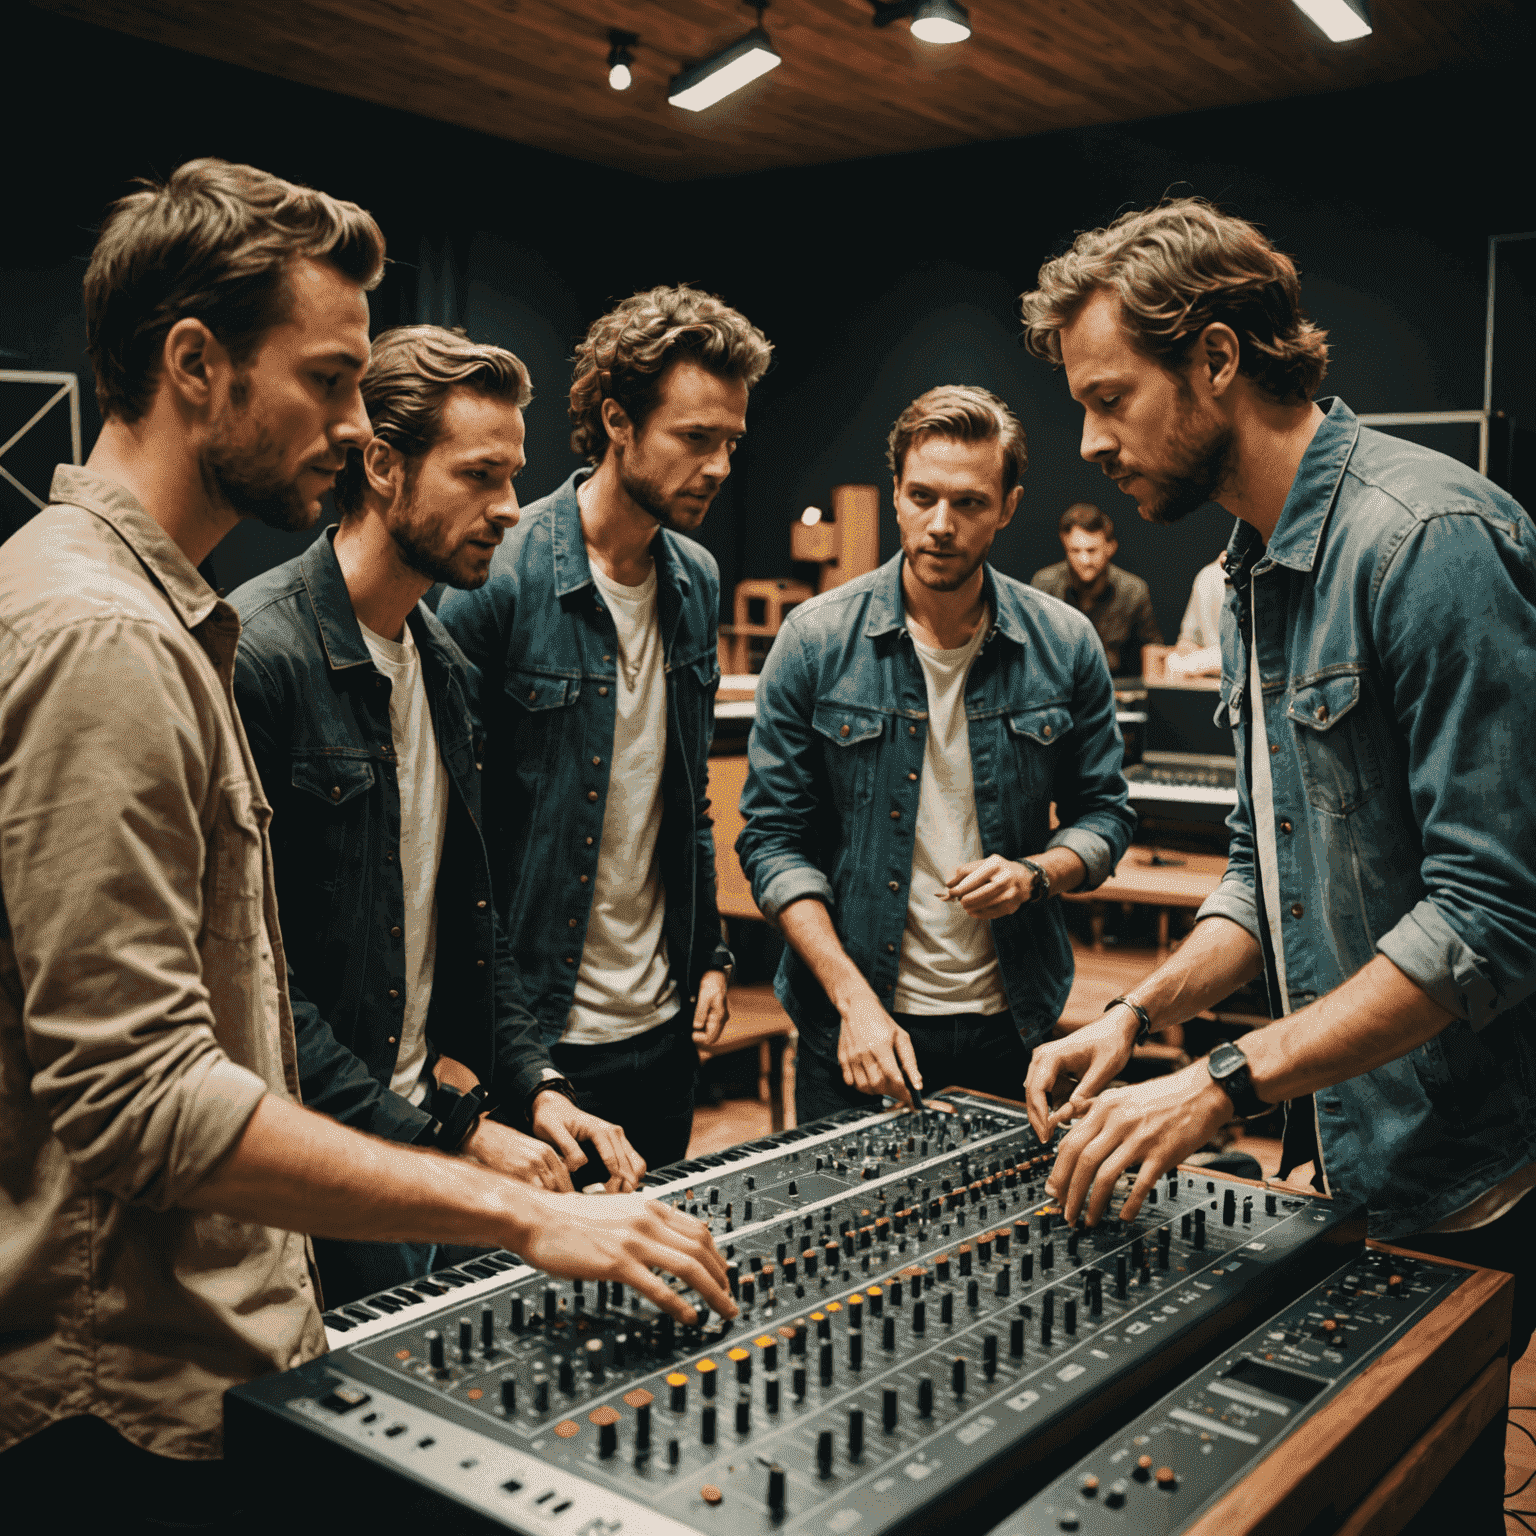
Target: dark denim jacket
(1397,658)
(543,644)
(836,764)
(316,710)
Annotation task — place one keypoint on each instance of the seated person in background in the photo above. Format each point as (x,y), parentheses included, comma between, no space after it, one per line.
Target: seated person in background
(913,728)
(354,700)
(1198,653)
(1118,604)
(157,1170)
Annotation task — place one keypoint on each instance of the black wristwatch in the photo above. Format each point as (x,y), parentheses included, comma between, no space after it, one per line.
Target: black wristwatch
(1228,1067)
(455,1115)
(1042,884)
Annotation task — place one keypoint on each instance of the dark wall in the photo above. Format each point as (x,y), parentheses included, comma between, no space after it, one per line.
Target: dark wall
(875,279)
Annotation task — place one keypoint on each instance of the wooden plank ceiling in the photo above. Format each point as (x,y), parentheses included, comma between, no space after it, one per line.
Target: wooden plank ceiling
(534,71)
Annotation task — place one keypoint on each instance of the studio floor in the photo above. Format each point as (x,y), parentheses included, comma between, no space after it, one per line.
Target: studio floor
(716,1126)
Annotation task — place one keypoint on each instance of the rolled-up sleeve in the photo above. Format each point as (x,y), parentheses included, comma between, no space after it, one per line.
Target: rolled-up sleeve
(1455,624)
(786,794)
(105,811)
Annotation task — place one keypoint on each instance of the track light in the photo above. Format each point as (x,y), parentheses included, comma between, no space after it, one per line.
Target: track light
(704,84)
(933,21)
(1340,21)
(620,58)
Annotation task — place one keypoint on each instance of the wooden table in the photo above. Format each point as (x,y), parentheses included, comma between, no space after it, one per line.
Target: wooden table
(1185,884)
(758,1019)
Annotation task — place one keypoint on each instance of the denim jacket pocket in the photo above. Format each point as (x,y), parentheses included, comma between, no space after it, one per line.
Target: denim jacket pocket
(1034,734)
(539,703)
(1338,764)
(852,741)
(1045,726)
(331,804)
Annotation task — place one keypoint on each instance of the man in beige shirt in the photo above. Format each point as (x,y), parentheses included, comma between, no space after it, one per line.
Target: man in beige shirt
(155,1164)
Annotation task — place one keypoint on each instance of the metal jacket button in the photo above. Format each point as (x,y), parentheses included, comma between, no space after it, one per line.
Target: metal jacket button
(1285,826)
(394,992)
(394,932)
(1274,747)
(533,693)
(911,730)
(912,777)
(479,965)
(336,792)
(1297,909)
(1046,732)
(890,949)
(597,762)
(602,692)
(570,922)
(570,959)
(842,730)
(893,886)
(583,879)
(1322,711)
(480,906)
(592,795)
(895,815)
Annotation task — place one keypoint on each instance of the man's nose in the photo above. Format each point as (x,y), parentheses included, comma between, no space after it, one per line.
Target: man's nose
(1097,442)
(352,428)
(504,510)
(718,464)
(941,525)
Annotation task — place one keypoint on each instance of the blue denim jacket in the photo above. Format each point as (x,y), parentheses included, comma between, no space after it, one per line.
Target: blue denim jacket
(1396,633)
(543,643)
(836,763)
(316,710)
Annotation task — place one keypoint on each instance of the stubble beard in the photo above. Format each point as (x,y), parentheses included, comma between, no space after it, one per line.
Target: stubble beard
(1201,465)
(242,468)
(648,497)
(420,551)
(948,582)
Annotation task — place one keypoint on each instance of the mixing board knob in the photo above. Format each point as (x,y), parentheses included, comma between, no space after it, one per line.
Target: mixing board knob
(602,1295)
(941,1267)
(1164,1240)
(1120,1275)
(919,1317)
(1072,1243)
(888,1335)
(770,1354)
(435,1357)
(824,1452)
(515,1320)
(708,1374)
(973,1294)
(888,1402)
(1167,1480)
(965,1259)
(776,1490)
(541,1394)
(1114,1495)
(797,1383)
(947,1307)
(797,1340)
(1089,1487)
(664,1332)
(567,1375)
(1199,1229)
(579,1287)
(1047,1255)
(989,1355)
(925,1398)
(714,1197)
(832,1258)
(826,1363)
(551,1303)
(855,1433)
(1003,1284)
(1184,1226)
(594,1349)
(855,1351)
(876,1300)
(1247,1210)
(771,1393)
(707,1424)
(1016,1339)
(643,1428)
(620,1350)
(794,1187)
(1138,1253)
(679,1385)
(1021,1232)
(488,1330)
(1026,1267)
(509,1395)
(466,1340)
(733,1278)
(1229,1208)
(1001,1239)
(674,1452)
(957,1376)
(608,1437)
(1069,1316)
(1143,1469)
(823,1325)
(984,1249)
(1269,1205)
(743,1414)
(809,1256)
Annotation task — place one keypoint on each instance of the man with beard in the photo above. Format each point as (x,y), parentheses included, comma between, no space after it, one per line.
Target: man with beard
(355,703)
(1382,874)
(595,642)
(914,728)
(157,1172)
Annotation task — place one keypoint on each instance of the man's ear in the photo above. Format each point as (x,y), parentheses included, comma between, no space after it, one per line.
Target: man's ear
(1010,506)
(1110,546)
(616,424)
(1219,352)
(384,469)
(192,361)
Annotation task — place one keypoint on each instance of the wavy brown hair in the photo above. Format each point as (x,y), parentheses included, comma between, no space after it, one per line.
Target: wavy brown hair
(412,370)
(1176,269)
(214,243)
(968,414)
(625,355)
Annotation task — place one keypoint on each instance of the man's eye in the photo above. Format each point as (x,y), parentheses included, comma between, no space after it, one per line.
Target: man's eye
(1109,402)
(475,474)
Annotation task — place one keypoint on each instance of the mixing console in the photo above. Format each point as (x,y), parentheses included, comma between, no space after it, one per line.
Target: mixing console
(1174,1461)
(916,1325)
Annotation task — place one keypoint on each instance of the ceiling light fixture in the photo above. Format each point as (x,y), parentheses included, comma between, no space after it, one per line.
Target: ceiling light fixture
(933,21)
(702,85)
(620,58)
(1340,21)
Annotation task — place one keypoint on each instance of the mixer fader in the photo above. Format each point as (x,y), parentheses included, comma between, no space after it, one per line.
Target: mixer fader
(916,1326)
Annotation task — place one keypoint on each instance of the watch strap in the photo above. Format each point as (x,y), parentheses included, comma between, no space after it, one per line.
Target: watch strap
(456,1115)
(1228,1066)
(1144,1033)
(1042,886)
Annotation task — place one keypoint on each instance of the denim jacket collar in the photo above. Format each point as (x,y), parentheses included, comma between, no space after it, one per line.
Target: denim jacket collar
(888,611)
(340,632)
(573,570)
(1299,531)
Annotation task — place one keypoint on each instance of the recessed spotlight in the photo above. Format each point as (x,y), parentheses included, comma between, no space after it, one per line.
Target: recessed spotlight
(620,58)
(1340,21)
(933,21)
(704,84)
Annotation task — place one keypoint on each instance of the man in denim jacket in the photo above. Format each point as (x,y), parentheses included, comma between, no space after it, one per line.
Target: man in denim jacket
(914,729)
(1377,648)
(596,645)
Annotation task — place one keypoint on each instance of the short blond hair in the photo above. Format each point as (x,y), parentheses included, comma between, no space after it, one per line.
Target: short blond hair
(1176,269)
(965,413)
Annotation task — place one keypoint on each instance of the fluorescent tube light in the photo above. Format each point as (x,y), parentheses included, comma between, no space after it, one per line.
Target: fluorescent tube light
(729,70)
(1340,21)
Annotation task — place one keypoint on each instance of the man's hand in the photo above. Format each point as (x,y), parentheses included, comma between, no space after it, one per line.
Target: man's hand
(709,1018)
(1156,1124)
(872,1048)
(991,887)
(625,1238)
(562,1124)
(518,1156)
(1093,1055)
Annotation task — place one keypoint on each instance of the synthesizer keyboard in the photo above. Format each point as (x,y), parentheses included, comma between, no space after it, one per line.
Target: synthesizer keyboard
(1182,786)
(918,1333)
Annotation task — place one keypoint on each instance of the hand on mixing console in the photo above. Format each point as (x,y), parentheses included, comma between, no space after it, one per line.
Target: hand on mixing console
(627,1238)
(518,1156)
(990,888)
(712,1011)
(1155,1124)
(872,1049)
(560,1123)
(1093,1055)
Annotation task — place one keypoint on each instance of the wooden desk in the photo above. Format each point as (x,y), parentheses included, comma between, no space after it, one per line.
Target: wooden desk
(757,1019)
(1185,884)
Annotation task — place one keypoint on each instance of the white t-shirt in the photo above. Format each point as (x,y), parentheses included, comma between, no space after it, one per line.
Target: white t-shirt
(948,962)
(625,986)
(424,791)
(1201,624)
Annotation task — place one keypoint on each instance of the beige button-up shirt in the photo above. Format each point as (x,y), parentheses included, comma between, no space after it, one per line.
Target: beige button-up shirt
(141,1013)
